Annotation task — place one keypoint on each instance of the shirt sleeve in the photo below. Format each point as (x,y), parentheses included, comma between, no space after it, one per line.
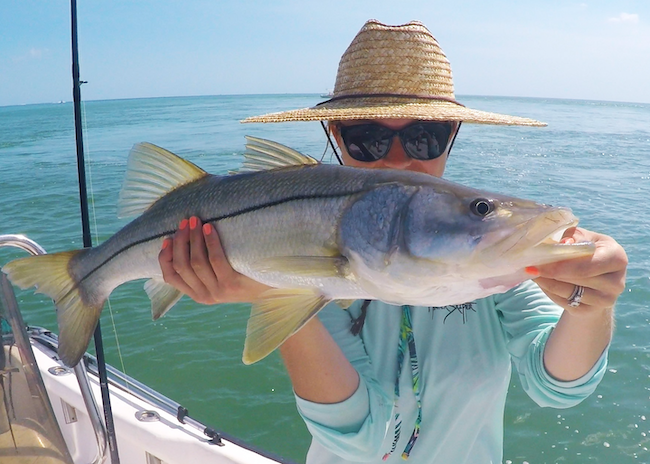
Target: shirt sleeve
(354,428)
(528,317)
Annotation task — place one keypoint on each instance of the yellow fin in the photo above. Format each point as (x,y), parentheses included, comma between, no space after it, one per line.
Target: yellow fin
(163,296)
(278,315)
(151,173)
(263,155)
(77,318)
(305,266)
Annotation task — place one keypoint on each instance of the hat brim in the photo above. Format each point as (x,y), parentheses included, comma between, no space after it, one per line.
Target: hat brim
(394,108)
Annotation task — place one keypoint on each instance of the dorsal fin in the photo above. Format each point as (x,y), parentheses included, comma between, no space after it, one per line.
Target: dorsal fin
(263,155)
(152,172)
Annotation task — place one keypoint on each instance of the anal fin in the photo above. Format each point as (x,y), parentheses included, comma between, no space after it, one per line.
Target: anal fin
(163,296)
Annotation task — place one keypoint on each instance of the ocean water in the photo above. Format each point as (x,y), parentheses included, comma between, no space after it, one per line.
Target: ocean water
(593,157)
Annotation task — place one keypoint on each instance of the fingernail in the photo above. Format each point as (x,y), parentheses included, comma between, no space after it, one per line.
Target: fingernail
(532,270)
(165,243)
(193,222)
(207,229)
(183,224)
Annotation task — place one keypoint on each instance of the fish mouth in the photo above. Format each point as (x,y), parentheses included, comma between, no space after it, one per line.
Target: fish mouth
(536,240)
(548,228)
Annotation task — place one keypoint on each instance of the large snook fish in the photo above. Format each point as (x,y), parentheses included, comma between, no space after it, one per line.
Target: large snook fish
(315,232)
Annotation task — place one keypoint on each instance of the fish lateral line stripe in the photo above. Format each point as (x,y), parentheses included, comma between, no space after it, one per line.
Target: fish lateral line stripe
(212,219)
(251,209)
(114,255)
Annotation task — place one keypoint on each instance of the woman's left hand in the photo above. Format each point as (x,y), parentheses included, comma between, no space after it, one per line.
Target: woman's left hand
(602,275)
(585,330)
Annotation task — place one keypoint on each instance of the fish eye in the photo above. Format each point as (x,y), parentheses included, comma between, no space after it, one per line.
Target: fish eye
(481,207)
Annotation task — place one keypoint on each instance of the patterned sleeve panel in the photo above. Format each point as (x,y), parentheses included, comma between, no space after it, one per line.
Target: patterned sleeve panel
(528,318)
(355,428)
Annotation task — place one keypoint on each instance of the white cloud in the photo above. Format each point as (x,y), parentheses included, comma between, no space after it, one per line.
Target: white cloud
(625,18)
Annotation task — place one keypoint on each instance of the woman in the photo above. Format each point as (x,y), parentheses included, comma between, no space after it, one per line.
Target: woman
(425,383)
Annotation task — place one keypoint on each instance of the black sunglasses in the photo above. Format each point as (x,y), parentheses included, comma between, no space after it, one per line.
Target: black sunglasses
(422,140)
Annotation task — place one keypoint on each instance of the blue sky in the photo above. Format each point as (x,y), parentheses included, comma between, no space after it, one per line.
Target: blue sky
(598,50)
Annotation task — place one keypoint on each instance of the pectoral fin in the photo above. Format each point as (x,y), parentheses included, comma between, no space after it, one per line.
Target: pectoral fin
(162,296)
(278,315)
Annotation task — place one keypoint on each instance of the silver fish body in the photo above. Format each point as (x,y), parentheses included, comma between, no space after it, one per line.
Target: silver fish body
(315,232)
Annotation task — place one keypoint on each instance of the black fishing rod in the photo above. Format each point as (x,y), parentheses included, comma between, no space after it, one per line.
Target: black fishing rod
(87,239)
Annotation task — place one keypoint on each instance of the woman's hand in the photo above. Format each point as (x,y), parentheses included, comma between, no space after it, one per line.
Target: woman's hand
(583,331)
(602,275)
(194,262)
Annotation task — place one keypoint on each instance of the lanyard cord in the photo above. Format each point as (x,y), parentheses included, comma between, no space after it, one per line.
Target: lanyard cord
(331,144)
(406,342)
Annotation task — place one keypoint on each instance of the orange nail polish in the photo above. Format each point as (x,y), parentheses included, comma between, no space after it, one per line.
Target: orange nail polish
(207,229)
(165,243)
(183,224)
(532,270)
(193,222)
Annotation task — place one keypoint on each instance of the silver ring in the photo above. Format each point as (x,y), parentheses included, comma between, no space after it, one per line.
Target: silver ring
(576,296)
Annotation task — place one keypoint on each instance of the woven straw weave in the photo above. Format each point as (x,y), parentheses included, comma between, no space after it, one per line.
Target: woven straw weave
(394,72)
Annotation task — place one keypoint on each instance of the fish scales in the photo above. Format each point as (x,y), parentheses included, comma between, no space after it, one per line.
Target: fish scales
(235,205)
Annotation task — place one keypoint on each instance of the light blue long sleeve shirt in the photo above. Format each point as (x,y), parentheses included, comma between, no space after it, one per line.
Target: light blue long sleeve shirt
(465,354)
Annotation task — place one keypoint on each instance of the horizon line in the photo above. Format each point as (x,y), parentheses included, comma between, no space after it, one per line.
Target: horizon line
(317,94)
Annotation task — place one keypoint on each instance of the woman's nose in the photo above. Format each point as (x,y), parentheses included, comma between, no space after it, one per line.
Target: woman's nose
(397,157)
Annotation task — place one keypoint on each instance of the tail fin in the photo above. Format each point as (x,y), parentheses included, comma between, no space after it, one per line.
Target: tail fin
(51,276)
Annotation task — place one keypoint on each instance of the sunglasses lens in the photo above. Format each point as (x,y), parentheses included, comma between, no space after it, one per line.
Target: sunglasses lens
(426,141)
(421,141)
(367,142)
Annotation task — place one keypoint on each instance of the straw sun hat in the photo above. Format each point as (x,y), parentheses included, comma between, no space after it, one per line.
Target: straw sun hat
(396,72)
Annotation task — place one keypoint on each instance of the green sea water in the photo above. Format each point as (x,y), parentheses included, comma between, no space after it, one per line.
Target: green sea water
(593,157)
